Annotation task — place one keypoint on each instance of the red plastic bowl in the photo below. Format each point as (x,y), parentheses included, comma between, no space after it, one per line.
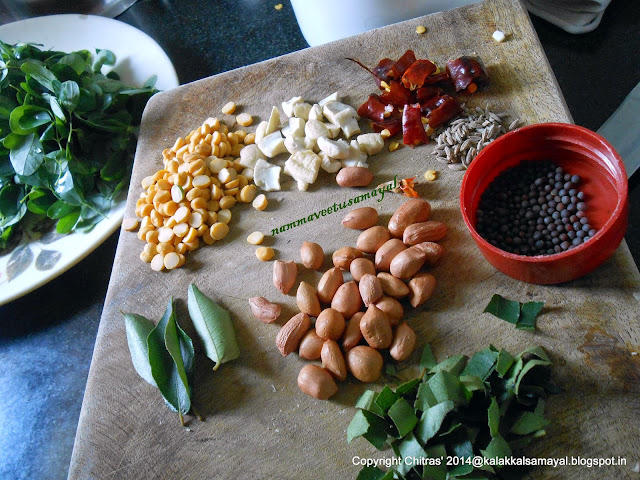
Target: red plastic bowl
(578,151)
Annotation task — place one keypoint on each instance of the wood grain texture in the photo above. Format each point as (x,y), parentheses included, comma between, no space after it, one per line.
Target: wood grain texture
(258,424)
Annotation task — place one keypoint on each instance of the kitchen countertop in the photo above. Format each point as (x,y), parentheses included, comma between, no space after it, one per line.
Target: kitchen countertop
(47,337)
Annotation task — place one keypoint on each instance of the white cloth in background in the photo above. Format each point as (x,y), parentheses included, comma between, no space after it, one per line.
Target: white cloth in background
(574,16)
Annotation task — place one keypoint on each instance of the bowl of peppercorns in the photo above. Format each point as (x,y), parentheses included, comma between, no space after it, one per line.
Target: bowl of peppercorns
(546,203)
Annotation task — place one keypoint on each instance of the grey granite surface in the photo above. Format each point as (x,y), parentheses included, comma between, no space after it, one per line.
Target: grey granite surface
(47,337)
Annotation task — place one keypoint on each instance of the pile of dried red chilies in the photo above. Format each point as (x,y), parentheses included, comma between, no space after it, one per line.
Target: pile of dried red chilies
(413,89)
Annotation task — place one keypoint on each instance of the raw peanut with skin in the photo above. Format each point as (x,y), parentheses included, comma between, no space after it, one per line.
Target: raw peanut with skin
(347,299)
(343,257)
(387,252)
(375,328)
(430,231)
(364,363)
(292,332)
(407,263)
(310,346)
(360,267)
(284,275)
(421,288)
(370,289)
(411,211)
(330,324)
(361,218)
(333,360)
(433,252)
(317,382)
(392,308)
(354,177)
(352,334)
(312,255)
(329,284)
(392,286)
(307,300)
(403,343)
(372,239)
(264,310)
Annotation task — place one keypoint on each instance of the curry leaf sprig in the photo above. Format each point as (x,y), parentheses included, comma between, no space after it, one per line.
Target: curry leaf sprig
(163,355)
(490,405)
(67,135)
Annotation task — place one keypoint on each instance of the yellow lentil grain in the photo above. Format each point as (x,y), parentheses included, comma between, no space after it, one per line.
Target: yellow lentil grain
(244,119)
(181,229)
(147,181)
(224,216)
(393,146)
(195,220)
(165,247)
(181,248)
(191,246)
(204,149)
(232,192)
(212,217)
(171,222)
(178,145)
(165,234)
(145,257)
(157,262)
(130,224)
(170,208)
(219,230)
(430,175)
(146,222)
(260,202)
(241,134)
(229,108)
(171,260)
(163,196)
(183,259)
(255,238)
(190,236)
(207,238)
(232,184)
(248,193)
(181,214)
(278,6)
(198,204)
(201,229)
(152,237)
(156,219)
(264,253)
(420,29)
(250,139)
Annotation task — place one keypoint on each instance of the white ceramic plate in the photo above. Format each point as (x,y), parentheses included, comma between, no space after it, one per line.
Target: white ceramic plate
(39,258)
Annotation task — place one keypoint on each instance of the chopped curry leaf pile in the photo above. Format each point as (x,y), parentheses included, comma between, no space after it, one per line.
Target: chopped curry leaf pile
(490,405)
(67,133)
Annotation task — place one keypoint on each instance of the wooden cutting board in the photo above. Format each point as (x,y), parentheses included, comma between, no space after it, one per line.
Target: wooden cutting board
(258,424)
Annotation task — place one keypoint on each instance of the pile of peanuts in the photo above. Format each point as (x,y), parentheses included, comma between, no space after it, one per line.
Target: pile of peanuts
(191,197)
(391,273)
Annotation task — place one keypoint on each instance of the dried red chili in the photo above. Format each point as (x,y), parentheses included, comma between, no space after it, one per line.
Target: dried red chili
(407,187)
(425,93)
(440,110)
(398,96)
(417,73)
(413,132)
(373,109)
(393,123)
(404,62)
(468,73)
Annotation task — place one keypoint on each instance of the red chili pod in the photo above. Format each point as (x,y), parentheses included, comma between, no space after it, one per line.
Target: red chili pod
(468,73)
(381,71)
(373,109)
(398,95)
(417,73)
(442,77)
(441,109)
(413,132)
(392,123)
(404,62)
(425,93)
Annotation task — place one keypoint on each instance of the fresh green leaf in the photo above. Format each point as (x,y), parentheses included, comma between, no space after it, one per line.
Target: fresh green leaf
(447,386)
(425,398)
(504,362)
(453,365)
(504,309)
(408,387)
(68,222)
(528,315)
(528,422)
(68,95)
(403,417)
(386,398)
(167,367)
(10,199)
(408,447)
(374,473)
(26,155)
(75,61)
(432,419)
(436,470)
(497,448)
(39,73)
(27,118)
(427,360)
(370,426)
(138,329)
(482,363)
(493,418)
(103,57)
(214,326)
